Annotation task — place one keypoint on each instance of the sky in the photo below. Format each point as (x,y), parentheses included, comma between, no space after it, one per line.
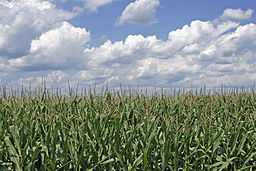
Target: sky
(153,43)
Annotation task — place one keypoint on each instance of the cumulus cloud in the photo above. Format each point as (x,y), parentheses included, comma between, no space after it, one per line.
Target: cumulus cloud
(21,21)
(237,14)
(61,47)
(202,52)
(140,12)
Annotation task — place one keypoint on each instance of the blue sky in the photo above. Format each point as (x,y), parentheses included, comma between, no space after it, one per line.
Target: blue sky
(157,43)
(171,15)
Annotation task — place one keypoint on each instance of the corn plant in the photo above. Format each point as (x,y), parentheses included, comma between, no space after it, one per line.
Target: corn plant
(127,130)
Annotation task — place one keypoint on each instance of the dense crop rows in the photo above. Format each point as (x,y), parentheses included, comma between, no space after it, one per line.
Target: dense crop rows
(129,130)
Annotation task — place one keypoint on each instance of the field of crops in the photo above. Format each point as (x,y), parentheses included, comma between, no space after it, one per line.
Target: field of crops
(128,130)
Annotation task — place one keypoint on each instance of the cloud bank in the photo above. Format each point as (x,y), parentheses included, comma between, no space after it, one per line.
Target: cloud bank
(46,44)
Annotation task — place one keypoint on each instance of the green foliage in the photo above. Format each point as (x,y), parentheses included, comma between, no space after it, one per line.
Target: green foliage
(127,129)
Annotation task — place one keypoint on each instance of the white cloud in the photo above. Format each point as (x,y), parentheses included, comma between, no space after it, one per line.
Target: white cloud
(199,51)
(61,47)
(134,47)
(93,5)
(103,38)
(53,79)
(202,52)
(237,14)
(23,20)
(199,31)
(140,12)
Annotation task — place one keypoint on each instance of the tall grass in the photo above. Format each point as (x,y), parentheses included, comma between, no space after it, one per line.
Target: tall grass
(127,129)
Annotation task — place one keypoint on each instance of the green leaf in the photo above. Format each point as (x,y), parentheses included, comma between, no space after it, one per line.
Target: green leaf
(12,153)
(241,145)
(217,141)
(226,164)
(15,135)
(249,158)
(137,161)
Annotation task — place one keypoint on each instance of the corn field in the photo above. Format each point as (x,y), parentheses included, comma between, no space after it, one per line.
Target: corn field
(127,130)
